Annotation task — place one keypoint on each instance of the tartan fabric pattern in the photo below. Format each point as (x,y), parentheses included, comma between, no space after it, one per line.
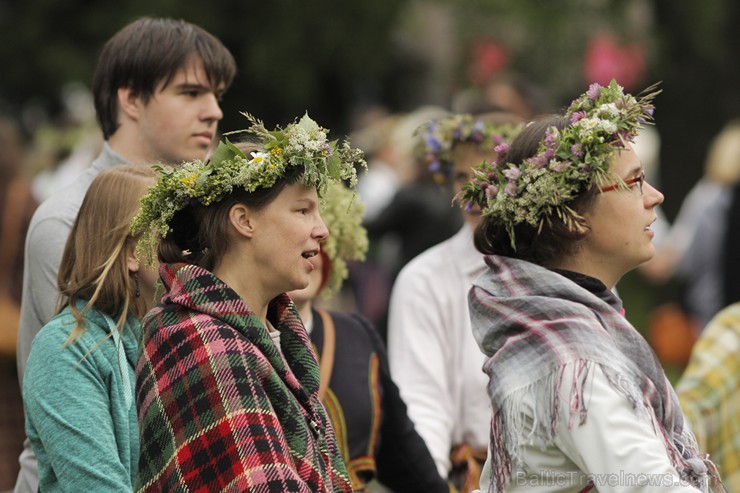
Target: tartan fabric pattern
(709,392)
(530,322)
(220,407)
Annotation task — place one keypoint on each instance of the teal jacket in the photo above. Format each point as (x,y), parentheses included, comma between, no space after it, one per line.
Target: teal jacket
(79,404)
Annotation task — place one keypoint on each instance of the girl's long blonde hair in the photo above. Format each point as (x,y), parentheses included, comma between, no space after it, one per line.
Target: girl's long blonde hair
(94,264)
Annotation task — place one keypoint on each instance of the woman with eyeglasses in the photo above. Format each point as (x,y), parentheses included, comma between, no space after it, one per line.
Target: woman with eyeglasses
(579,400)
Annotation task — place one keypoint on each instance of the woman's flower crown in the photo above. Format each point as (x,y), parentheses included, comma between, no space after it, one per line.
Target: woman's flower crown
(439,137)
(569,161)
(342,212)
(302,144)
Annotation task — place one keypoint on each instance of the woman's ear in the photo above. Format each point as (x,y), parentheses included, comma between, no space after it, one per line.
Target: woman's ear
(242,218)
(132,262)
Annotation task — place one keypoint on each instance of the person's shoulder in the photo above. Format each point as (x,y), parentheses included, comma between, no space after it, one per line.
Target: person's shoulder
(50,209)
(173,321)
(55,332)
(728,316)
(63,324)
(353,321)
(64,204)
(430,260)
(436,270)
(722,332)
(355,325)
(50,348)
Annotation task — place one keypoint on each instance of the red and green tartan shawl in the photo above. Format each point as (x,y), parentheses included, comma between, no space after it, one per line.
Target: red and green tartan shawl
(220,409)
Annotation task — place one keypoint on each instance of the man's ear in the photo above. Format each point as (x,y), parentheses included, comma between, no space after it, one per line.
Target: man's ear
(243,220)
(130,103)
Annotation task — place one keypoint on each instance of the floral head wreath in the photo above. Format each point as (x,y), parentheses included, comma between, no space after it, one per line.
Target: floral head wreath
(439,137)
(342,213)
(301,144)
(569,161)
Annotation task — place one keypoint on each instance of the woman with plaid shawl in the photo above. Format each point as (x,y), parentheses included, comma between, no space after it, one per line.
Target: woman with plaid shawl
(579,400)
(227,383)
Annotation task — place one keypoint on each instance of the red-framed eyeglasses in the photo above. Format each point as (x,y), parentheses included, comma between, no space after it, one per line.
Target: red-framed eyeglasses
(638,180)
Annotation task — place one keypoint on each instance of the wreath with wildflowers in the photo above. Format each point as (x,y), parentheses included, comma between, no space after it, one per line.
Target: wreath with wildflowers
(342,213)
(300,144)
(602,121)
(439,137)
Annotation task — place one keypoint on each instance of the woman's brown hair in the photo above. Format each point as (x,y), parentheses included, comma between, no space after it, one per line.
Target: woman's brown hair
(94,264)
(552,239)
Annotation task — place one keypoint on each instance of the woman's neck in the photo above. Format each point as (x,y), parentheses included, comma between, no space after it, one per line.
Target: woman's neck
(249,291)
(601,272)
(304,309)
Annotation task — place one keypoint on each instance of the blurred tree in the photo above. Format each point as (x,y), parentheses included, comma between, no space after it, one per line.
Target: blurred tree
(330,56)
(293,56)
(698,52)
(321,56)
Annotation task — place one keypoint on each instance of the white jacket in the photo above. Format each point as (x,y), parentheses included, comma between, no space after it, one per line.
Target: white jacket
(433,356)
(621,449)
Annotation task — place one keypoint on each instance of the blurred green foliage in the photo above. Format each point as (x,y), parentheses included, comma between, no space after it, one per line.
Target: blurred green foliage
(330,56)
(293,56)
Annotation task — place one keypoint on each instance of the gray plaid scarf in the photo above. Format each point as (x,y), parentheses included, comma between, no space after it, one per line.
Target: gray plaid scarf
(531,322)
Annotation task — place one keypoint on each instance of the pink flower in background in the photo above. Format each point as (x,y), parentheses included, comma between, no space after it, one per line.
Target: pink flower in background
(606,60)
(489,58)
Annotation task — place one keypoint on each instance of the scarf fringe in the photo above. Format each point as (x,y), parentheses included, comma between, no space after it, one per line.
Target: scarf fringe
(512,428)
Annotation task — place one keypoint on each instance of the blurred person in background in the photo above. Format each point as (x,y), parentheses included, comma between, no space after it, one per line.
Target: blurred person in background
(501,92)
(18,205)
(372,132)
(692,252)
(709,392)
(157,87)
(65,147)
(370,280)
(418,215)
(433,356)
